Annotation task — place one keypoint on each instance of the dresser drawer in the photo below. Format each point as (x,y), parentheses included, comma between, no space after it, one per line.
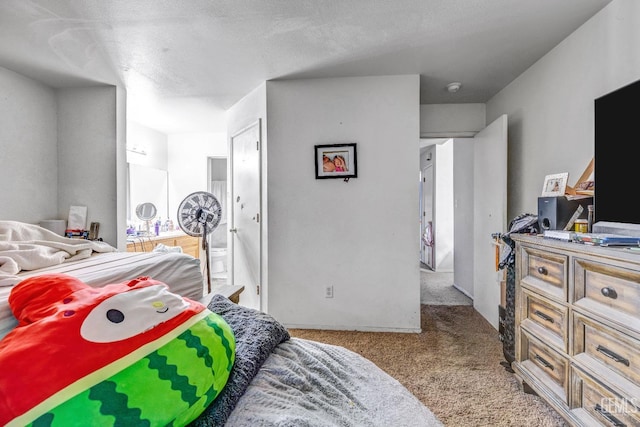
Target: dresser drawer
(592,401)
(613,291)
(544,271)
(545,363)
(545,318)
(617,351)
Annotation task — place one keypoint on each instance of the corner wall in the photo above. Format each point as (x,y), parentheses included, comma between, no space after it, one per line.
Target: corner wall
(28,143)
(87,153)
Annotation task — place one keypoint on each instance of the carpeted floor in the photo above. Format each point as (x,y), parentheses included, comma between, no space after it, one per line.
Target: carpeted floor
(453,367)
(436,288)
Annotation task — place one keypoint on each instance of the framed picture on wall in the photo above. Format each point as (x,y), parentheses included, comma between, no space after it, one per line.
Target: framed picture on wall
(336,161)
(555,185)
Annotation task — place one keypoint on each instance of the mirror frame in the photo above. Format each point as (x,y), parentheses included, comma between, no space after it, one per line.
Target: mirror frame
(146,211)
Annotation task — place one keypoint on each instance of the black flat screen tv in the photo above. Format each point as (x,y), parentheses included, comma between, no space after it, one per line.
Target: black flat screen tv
(616,167)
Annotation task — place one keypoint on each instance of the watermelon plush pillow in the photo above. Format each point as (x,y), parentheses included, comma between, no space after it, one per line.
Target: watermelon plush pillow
(124,354)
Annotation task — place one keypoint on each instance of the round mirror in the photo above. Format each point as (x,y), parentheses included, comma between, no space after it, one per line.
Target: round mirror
(146,211)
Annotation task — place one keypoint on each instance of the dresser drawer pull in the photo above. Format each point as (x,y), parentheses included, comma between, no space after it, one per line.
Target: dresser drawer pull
(543,271)
(544,362)
(543,316)
(610,354)
(609,293)
(613,420)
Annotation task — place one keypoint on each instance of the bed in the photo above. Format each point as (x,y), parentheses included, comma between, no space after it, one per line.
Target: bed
(27,250)
(274,380)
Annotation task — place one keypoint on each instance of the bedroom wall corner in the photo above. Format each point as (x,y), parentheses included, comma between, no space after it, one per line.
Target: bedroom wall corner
(121,169)
(88,153)
(551,105)
(28,142)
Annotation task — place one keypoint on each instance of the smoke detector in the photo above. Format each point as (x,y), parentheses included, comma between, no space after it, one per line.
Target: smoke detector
(454,87)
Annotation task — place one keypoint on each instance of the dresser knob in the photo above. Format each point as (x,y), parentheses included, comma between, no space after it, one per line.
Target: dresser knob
(542,270)
(609,293)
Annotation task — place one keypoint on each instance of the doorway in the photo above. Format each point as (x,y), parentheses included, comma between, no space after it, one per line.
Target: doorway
(436,205)
(217,240)
(478,209)
(426,217)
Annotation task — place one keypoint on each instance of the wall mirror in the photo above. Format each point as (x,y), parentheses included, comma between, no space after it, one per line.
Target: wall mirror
(147,185)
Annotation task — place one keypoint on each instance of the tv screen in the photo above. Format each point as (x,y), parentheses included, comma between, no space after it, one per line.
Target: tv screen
(616,169)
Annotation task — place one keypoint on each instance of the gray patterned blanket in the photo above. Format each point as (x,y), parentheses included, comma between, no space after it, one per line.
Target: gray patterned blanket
(278,381)
(257,335)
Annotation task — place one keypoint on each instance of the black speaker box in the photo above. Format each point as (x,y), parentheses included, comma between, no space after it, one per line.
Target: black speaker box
(555,212)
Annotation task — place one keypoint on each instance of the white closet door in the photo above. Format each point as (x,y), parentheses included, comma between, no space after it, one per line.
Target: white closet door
(246,244)
(490,214)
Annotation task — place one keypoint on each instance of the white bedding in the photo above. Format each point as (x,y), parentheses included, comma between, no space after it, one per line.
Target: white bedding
(28,249)
(26,246)
(181,272)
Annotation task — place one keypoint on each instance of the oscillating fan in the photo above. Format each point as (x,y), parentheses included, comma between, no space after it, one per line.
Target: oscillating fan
(198,215)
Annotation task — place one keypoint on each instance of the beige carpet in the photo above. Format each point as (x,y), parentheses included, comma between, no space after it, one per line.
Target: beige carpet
(453,367)
(436,288)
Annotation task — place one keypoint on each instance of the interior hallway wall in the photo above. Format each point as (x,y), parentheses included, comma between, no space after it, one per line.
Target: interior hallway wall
(357,236)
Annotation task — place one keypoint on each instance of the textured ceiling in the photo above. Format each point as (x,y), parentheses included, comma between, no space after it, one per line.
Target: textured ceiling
(184,62)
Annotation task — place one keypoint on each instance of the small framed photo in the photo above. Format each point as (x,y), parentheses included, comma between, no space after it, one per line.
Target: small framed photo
(336,161)
(555,185)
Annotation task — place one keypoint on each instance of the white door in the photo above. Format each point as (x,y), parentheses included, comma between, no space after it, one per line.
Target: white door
(245,214)
(489,214)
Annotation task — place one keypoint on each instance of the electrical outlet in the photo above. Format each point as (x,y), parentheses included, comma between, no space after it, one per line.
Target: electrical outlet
(328,292)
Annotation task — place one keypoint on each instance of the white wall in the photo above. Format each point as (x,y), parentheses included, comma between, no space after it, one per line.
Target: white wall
(87,155)
(550,106)
(59,148)
(187,164)
(121,168)
(360,236)
(152,142)
(28,150)
(451,120)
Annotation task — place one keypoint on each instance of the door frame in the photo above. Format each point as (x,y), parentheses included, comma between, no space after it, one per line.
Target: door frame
(210,161)
(427,256)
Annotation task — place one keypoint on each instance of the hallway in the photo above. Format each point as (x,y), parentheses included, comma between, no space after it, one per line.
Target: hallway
(437,289)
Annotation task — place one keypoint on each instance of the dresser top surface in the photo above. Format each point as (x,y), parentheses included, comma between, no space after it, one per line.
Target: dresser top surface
(626,253)
(162,235)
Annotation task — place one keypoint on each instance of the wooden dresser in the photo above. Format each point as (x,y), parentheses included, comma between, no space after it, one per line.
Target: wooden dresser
(577,326)
(189,244)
